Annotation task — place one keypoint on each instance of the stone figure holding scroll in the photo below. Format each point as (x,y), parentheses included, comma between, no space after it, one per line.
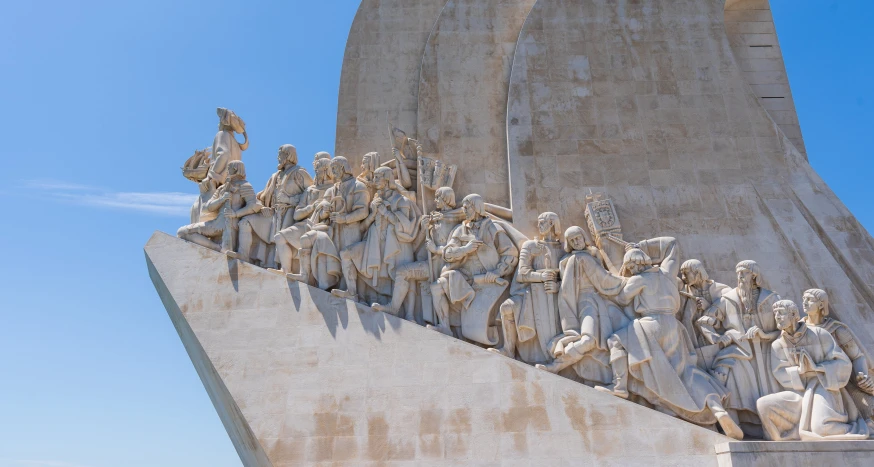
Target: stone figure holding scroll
(438,226)
(529,318)
(478,252)
(861,384)
(280,197)
(653,356)
(742,323)
(232,201)
(812,371)
(587,318)
(392,227)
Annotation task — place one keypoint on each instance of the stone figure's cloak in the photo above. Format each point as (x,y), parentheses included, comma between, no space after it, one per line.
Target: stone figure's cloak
(225,149)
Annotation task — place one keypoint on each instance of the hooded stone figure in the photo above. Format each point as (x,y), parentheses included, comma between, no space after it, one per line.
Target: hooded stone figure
(225,147)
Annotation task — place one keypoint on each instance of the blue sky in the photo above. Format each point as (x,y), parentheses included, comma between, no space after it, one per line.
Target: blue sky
(100,104)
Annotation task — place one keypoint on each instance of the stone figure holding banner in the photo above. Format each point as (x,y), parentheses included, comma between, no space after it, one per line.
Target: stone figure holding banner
(742,323)
(813,371)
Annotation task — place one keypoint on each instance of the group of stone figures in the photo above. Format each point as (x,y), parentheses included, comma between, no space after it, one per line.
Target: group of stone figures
(626,318)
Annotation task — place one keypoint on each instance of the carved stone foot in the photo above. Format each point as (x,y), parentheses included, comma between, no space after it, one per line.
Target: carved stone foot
(612,389)
(500,351)
(382,308)
(275,271)
(343,294)
(231,254)
(731,429)
(548,367)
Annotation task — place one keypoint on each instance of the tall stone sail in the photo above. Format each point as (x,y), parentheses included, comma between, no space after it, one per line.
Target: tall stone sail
(625,137)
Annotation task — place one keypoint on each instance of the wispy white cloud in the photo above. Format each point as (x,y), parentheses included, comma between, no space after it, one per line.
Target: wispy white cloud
(41,463)
(162,203)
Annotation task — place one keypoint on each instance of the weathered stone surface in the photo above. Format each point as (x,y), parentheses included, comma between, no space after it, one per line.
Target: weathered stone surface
(380,74)
(302,378)
(648,103)
(463,92)
(796,454)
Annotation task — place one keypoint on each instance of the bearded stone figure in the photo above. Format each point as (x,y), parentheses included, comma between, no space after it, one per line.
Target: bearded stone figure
(280,198)
(392,227)
(813,371)
(653,357)
(347,205)
(698,294)
(529,318)
(861,384)
(742,325)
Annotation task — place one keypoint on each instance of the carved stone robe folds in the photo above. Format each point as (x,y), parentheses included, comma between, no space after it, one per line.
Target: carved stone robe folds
(582,309)
(308,206)
(689,313)
(352,198)
(386,246)
(746,362)
(814,406)
(848,342)
(323,257)
(496,252)
(662,363)
(225,148)
(535,311)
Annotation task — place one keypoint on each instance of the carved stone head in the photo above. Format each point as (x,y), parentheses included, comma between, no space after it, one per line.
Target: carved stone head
(287,156)
(635,262)
(692,272)
(474,207)
(749,275)
(322,166)
(236,170)
(444,198)
(340,167)
(575,239)
(786,314)
(815,303)
(370,162)
(549,223)
(382,178)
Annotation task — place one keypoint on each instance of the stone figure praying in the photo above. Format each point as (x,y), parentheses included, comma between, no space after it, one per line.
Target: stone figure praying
(437,226)
(813,371)
(861,384)
(392,226)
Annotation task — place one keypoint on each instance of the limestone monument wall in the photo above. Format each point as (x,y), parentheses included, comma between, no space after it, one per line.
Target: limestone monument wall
(660,105)
(299,377)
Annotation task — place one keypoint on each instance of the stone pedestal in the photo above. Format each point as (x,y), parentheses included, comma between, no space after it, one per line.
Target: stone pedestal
(795,454)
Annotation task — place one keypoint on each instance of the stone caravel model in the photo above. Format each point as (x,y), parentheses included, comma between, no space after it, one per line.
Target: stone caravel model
(679,111)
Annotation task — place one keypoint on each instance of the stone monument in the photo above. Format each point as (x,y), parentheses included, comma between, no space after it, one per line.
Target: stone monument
(617,164)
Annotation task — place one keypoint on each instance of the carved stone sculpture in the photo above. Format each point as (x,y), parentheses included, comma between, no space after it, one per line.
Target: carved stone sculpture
(437,227)
(232,201)
(587,318)
(392,227)
(742,325)
(697,295)
(861,384)
(305,215)
(225,147)
(406,152)
(477,255)
(369,164)
(196,169)
(813,371)
(529,318)
(653,357)
(347,205)
(280,198)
